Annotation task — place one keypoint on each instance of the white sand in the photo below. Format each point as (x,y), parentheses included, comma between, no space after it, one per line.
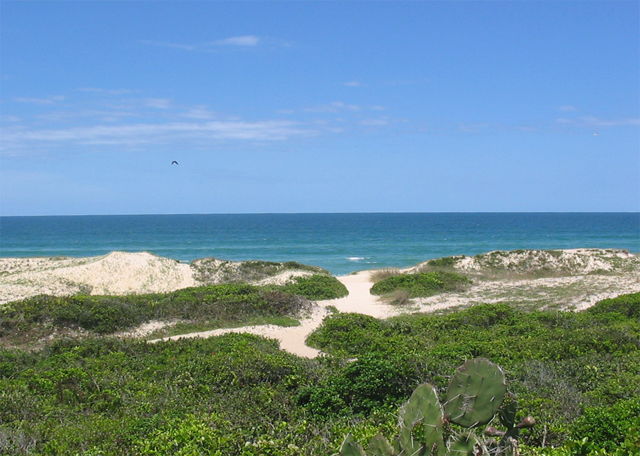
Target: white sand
(128,273)
(112,274)
(292,339)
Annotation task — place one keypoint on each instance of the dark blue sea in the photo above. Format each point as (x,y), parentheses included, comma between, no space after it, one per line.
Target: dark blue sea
(340,243)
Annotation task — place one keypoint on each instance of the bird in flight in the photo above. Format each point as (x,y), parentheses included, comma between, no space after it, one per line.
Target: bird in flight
(175,163)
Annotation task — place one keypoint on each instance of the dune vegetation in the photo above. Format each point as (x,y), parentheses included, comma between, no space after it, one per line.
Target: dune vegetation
(72,383)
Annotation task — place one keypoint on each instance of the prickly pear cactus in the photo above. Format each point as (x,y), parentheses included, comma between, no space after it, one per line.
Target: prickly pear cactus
(421,421)
(350,447)
(379,446)
(475,393)
(464,445)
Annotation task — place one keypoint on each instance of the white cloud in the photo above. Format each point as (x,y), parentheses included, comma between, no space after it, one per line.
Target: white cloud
(184,47)
(158,103)
(336,106)
(241,41)
(473,128)
(41,101)
(135,135)
(10,118)
(198,112)
(105,91)
(374,122)
(567,108)
(590,122)
(247,40)
(353,84)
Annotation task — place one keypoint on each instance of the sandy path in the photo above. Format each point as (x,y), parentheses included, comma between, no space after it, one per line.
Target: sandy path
(292,339)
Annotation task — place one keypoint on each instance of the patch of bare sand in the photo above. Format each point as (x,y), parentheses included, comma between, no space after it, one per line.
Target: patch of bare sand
(113,274)
(292,339)
(576,292)
(124,273)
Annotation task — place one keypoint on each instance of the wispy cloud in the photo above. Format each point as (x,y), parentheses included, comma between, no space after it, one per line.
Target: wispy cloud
(353,84)
(158,103)
(10,118)
(567,108)
(246,40)
(96,118)
(184,47)
(105,91)
(591,122)
(336,106)
(147,134)
(218,45)
(474,128)
(375,122)
(41,101)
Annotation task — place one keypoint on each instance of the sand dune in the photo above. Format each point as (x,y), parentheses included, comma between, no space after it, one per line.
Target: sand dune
(578,279)
(112,274)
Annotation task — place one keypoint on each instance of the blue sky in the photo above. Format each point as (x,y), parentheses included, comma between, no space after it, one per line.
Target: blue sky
(314,106)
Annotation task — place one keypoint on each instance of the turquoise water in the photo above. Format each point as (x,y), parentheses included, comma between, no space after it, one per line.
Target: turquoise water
(340,243)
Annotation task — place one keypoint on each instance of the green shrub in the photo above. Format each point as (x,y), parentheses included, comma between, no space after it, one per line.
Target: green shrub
(608,426)
(627,305)
(216,305)
(316,287)
(421,285)
(186,436)
(347,333)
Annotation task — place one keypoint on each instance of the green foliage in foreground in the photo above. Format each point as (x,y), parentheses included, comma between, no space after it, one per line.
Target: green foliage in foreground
(626,305)
(560,364)
(475,395)
(578,374)
(225,395)
(422,284)
(216,305)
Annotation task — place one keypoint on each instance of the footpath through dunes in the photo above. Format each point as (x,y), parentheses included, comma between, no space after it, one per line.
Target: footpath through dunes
(292,339)
(527,279)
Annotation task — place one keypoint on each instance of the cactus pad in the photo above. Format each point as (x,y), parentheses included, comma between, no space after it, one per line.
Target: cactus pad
(421,421)
(475,393)
(464,445)
(350,447)
(379,446)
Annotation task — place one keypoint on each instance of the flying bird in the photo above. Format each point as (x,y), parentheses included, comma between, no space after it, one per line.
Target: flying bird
(175,163)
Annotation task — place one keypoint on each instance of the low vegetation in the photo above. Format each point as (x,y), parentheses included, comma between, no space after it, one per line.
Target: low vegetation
(569,370)
(210,306)
(71,390)
(212,271)
(476,394)
(419,285)
(535,264)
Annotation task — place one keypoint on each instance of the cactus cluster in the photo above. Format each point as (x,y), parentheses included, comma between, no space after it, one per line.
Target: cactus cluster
(476,393)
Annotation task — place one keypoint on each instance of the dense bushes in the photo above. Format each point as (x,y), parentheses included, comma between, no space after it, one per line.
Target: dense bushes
(126,397)
(627,305)
(608,426)
(316,287)
(578,374)
(422,284)
(370,382)
(216,305)
(559,363)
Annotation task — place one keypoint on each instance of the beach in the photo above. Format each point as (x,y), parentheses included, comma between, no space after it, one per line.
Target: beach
(578,279)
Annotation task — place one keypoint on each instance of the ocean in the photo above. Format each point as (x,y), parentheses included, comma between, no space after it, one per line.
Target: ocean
(341,243)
